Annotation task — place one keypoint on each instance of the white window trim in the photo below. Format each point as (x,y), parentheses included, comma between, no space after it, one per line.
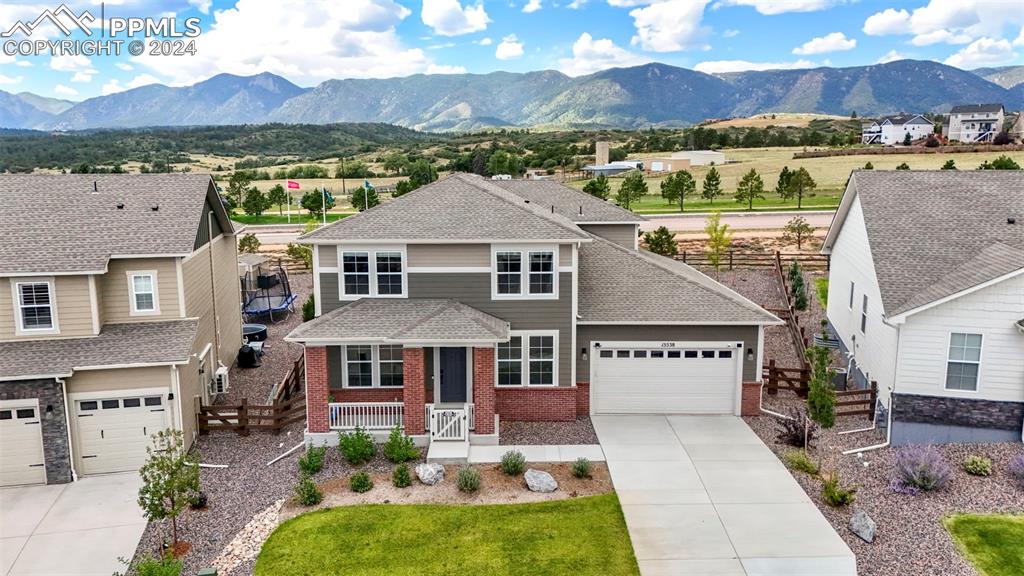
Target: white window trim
(524,270)
(371,253)
(864,315)
(374,369)
(945,370)
(134,311)
(16,300)
(525,335)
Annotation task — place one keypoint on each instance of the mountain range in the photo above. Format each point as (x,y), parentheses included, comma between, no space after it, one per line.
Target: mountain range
(639,96)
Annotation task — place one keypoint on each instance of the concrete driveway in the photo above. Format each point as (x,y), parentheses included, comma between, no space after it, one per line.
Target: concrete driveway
(72,529)
(703,496)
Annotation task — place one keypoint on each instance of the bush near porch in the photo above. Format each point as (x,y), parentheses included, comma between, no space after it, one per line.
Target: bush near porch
(580,536)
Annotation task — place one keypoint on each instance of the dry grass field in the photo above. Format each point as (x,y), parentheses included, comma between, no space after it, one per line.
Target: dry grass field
(778,120)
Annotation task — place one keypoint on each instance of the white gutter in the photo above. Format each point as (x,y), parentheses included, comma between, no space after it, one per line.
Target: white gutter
(892,401)
(67,425)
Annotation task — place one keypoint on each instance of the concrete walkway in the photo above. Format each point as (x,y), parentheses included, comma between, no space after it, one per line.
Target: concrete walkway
(546,453)
(73,529)
(703,496)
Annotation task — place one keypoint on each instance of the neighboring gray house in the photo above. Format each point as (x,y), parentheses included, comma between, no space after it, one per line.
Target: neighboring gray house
(975,122)
(926,293)
(470,302)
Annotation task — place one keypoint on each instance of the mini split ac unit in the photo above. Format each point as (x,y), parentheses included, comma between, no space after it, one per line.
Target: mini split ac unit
(219,383)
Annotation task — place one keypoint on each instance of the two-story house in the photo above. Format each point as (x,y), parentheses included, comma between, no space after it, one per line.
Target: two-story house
(926,293)
(892,130)
(975,122)
(469,302)
(119,303)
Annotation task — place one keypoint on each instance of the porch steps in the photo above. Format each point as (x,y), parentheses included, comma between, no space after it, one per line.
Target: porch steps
(448,452)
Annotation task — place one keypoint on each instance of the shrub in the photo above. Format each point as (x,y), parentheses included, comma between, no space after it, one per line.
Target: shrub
(300,253)
(513,463)
(313,460)
(796,430)
(794,272)
(903,166)
(309,308)
(154,566)
(978,466)
(800,300)
(199,501)
(249,243)
(308,492)
(357,446)
(821,396)
(799,460)
(360,482)
(1016,469)
(834,494)
(401,477)
(468,479)
(921,467)
(399,447)
(581,468)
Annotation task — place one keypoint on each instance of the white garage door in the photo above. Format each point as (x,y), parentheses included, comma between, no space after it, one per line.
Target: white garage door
(21,444)
(669,378)
(113,433)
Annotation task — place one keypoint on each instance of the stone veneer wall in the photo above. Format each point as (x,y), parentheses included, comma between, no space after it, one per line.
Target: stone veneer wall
(958,411)
(56,454)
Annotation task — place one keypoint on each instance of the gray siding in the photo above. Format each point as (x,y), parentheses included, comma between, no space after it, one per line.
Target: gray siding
(621,234)
(448,255)
(334,368)
(329,292)
(616,333)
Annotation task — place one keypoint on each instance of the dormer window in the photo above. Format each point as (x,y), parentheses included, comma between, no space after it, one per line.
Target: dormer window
(524,272)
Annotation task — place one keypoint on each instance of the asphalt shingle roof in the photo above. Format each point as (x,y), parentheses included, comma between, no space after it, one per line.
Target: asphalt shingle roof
(573,204)
(117,344)
(57,223)
(620,285)
(936,233)
(456,207)
(976,108)
(404,320)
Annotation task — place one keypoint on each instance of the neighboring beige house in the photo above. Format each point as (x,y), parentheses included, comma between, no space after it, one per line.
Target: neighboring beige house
(975,122)
(117,313)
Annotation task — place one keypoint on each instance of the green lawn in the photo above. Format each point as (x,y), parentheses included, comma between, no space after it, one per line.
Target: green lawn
(993,543)
(270,218)
(579,536)
(821,285)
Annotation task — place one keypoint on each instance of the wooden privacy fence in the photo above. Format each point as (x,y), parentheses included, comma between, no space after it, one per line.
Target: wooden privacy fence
(790,316)
(244,417)
(291,384)
(776,378)
(857,402)
(733,259)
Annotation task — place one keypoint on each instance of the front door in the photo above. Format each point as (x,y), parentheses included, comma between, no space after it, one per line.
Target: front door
(452,368)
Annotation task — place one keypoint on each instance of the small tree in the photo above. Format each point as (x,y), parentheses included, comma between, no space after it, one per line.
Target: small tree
(421,172)
(800,183)
(314,201)
(949,165)
(249,243)
(237,184)
(661,241)
(782,185)
(903,166)
(1004,162)
(365,198)
(796,230)
(277,196)
(751,188)
(907,140)
(719,239)
(869,166)
(712,187)
(677,186)
(633,188)
(170,479)
(853,115)
(402,188)
(1002,138)
(255,202)
(821,396)
(395,162)
(598,187)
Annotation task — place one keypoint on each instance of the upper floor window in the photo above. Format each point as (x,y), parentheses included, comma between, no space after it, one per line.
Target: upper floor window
(510,271)
(378,273)
(142,291)
(35,305)
(963,361)
(524,273)
(542,272)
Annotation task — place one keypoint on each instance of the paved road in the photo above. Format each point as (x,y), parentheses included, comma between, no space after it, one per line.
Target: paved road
(737,220)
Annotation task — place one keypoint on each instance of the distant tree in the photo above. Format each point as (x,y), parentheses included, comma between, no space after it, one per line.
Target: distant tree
(249,243)
(353,169)
(796,230)
(907,140)
(1002,138)
(903,166)
(277,196)
(395,162)
(949,165)
(238,183)
(800,183)
(821,395)
(661,241)
(712,187)
(750,188)
(632,189)
(869,166)
(421,172)
(598,187)
(853,115)
(255,202)
(402,188)
(479,163)
(617,154)
(677,186)
(719,239)
(783,183)
(502,162)
(364,198)
(170,479)
(314,202)
(1004,162)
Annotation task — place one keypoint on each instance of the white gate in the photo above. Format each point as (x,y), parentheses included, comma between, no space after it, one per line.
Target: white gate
(449,423)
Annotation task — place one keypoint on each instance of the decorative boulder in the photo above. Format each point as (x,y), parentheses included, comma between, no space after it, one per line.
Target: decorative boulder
(863,526)
(430,474)
(540,481)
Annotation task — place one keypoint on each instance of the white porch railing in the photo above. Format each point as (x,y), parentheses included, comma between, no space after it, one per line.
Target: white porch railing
(368,415)
(449,423)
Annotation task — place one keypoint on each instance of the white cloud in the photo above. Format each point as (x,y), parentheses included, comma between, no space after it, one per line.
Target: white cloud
(307,42)
(589,56)
(115,85)
(937,36)
(670,26)
(1020,38)
(576,4)
(983,52)
(532,6)
(722,66)
(72,63)
(124,66)
(834,42)
(948,21)
(63,90)
(202,5)
(4,79)
(81,77)
(888,21)
(891,56)
(772,7)
(730,33)
(445,69)
(486,41)
(509,48)
(23,63)
(450,18)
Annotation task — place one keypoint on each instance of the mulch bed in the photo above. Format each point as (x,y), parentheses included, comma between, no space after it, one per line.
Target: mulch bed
(579,431)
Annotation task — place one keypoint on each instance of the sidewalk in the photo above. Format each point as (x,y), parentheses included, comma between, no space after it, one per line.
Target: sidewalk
(543,453)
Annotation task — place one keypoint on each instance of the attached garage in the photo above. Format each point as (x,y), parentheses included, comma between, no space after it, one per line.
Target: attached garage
(666,377)
(21,443)
(112,432)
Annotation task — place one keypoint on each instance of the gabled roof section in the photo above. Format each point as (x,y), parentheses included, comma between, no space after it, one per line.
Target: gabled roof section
(459,207)
(617,285)
(976,108)
(934,234)
(61,224)
(571,203)
(398,321)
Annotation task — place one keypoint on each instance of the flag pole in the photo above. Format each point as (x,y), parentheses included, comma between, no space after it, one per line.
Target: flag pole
(289,192)
(323,202)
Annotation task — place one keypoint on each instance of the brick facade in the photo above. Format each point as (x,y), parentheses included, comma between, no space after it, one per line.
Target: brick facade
(556,404)
(483,390)
(968,412)
(367,394)
(317,390)
(750,399)
(56,456)
(414,391)
(582,399)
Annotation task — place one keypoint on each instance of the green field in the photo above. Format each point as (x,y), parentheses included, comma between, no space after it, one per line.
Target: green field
(993,543)
(274,218)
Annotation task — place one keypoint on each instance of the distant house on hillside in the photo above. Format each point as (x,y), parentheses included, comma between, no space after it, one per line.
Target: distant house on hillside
(974,122)
(613,168)
(891,130)
(700,157)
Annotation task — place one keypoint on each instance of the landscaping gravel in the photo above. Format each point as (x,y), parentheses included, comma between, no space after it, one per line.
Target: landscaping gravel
(579,431)
(761,285)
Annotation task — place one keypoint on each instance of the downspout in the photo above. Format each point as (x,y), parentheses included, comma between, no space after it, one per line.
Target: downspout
(213,284)
(67,426)
(892,402)
(849,370)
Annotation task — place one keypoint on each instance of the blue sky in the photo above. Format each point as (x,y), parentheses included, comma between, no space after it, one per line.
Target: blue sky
(310,41)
